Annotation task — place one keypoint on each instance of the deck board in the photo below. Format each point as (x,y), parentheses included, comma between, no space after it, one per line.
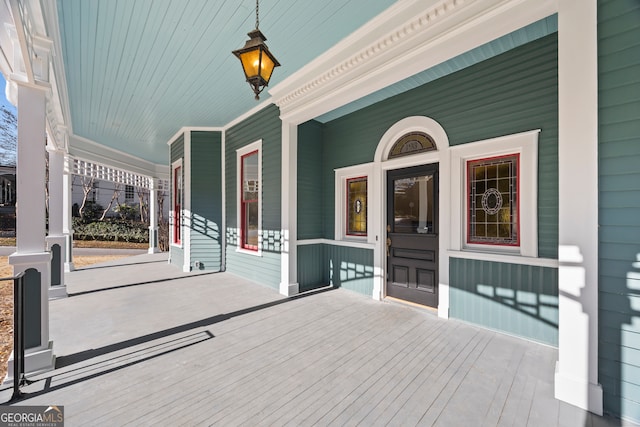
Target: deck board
(215,349)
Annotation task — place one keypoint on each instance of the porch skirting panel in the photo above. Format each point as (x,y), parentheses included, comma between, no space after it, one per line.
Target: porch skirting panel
(341,266)
(520,300)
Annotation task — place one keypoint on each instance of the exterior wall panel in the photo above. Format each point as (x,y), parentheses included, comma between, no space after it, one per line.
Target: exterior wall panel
(510,93)
(206,200)
(619,206)
(264,125)
(520,300)
(310,187)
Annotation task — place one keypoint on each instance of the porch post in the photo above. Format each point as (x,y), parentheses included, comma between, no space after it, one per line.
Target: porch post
(67,215)
(56,241)
(576,377)
(153,216)
(289,269)
(30,256)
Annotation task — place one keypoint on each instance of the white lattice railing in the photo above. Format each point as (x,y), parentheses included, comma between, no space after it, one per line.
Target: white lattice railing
(119,176)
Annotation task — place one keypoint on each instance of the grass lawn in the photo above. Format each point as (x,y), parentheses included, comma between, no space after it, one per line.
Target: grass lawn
(6,287)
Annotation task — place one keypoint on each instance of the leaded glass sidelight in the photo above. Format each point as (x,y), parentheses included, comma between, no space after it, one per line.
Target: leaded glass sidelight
(493,207)
(357,206)
(412,143)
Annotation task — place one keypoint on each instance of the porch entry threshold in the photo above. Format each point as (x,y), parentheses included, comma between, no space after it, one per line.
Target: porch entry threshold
(394,300)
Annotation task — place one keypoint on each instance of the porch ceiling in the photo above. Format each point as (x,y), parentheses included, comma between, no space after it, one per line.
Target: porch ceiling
(138,71)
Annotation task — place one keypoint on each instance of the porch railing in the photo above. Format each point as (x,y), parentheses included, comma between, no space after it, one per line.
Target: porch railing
(19,378)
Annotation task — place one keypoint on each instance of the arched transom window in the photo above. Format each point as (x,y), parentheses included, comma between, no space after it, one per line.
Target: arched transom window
(412,143)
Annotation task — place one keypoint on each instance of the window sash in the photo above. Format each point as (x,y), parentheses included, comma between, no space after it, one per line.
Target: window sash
(249,200)
(356,192)
(177,205)
(493,201)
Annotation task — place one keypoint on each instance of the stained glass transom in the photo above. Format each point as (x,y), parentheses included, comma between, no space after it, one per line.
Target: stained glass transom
(412,143)
(493,201)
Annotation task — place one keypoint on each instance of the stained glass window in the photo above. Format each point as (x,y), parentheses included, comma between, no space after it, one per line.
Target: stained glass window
(493,204)
(412,143)
(357,206)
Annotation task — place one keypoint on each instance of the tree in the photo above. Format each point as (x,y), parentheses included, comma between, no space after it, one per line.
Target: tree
(114,197)
(143,200)
(87,187)
(8,136)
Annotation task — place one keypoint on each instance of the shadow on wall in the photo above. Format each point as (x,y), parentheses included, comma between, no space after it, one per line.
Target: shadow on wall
(619,346)
(521,300)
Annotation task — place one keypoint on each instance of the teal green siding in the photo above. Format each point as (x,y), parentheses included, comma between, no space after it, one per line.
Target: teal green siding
(309,183)
(312,270)
(176,254)
(206,200)
(265,125)
(340,266)
(520,300)
(619,206)
(509,93)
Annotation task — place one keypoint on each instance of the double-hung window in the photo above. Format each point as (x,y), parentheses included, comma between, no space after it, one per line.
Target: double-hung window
(250,197)
(177,202)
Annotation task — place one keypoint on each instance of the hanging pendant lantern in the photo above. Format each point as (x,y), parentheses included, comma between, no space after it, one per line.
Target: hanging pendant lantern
(257,62)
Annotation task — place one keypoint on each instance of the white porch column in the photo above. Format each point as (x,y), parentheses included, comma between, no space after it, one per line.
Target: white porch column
(30,256)
(153,217)
(289,269)
(67,215)
(576,378)
(56,241)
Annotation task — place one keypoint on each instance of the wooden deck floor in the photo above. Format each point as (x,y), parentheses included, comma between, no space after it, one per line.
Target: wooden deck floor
(144,344)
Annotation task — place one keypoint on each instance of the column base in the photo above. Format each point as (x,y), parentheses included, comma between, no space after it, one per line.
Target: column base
(58,292)
(154,250)
(36,361)
(289,290)
(584,395)
(69,267)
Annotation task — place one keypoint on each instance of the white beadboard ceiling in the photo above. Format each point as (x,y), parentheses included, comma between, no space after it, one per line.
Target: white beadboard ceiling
(138,71)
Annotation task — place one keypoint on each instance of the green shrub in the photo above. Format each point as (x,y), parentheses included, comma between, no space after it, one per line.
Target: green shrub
(111,230)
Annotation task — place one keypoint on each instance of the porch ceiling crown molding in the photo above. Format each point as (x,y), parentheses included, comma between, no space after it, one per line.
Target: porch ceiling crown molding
(417,35)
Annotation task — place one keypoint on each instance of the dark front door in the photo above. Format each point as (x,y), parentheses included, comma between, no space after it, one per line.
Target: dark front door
(412,234)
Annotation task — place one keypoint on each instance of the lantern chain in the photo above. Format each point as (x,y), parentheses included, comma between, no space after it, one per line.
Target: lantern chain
(257,19)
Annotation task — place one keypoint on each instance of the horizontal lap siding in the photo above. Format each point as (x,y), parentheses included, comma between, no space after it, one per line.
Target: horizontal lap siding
(177,152)
(311,267)
(619,206)
(520,300)
(350,268)
(265,125)
(309,180)
(512,92)
(206,200)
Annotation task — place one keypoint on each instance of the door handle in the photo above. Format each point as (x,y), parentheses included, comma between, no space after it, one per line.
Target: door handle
(388,239)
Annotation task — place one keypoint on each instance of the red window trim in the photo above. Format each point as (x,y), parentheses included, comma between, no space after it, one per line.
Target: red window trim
(468,216)
(177,213)
(243,202)
(357,178)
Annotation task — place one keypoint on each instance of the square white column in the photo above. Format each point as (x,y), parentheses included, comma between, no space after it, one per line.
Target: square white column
(56,241)
(67,215)
(576,378)
(30,256)
(153,217)
(289,212)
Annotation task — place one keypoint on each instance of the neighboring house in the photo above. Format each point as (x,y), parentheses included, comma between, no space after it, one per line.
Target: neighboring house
(7,185)
(102,192)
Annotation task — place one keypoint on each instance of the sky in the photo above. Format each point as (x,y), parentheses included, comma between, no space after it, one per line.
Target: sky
(3,99)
